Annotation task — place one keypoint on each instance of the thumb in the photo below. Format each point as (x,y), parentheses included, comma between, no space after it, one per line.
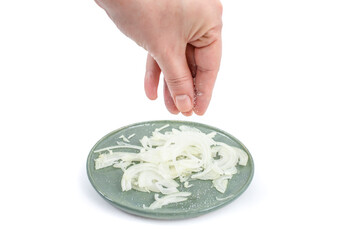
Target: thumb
(179,81)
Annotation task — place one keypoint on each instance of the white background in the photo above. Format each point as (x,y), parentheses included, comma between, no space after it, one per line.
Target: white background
(288,89)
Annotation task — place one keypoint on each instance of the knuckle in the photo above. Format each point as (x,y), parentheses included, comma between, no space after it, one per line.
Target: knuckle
(166,50)
(177,82)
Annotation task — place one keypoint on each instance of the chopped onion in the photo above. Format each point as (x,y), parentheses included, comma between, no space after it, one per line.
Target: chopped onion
(124,138)
(187,185)
(224,198)
(132,135)
(165,159)
(172,198)
(221,183)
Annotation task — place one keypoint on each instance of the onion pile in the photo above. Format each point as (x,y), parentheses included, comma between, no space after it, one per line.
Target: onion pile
(166,160)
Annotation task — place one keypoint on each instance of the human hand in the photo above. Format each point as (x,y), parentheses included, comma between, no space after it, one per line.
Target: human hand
(183,40)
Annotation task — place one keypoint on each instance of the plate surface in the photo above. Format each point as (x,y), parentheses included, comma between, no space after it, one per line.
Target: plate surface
(204,197)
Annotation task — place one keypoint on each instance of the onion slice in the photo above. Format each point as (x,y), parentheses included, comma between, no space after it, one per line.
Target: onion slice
(172,198)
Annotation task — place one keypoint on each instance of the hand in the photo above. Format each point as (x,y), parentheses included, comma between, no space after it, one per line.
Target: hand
(183,40)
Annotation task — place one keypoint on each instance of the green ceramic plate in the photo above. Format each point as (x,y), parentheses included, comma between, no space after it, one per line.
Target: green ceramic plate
(204,197)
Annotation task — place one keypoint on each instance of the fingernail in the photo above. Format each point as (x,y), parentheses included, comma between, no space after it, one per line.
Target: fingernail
(187,114)
(183,103)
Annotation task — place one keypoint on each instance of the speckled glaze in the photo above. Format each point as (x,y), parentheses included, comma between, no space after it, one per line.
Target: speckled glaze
(204,197)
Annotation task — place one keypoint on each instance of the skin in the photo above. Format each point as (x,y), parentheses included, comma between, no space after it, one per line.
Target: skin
(183,40)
